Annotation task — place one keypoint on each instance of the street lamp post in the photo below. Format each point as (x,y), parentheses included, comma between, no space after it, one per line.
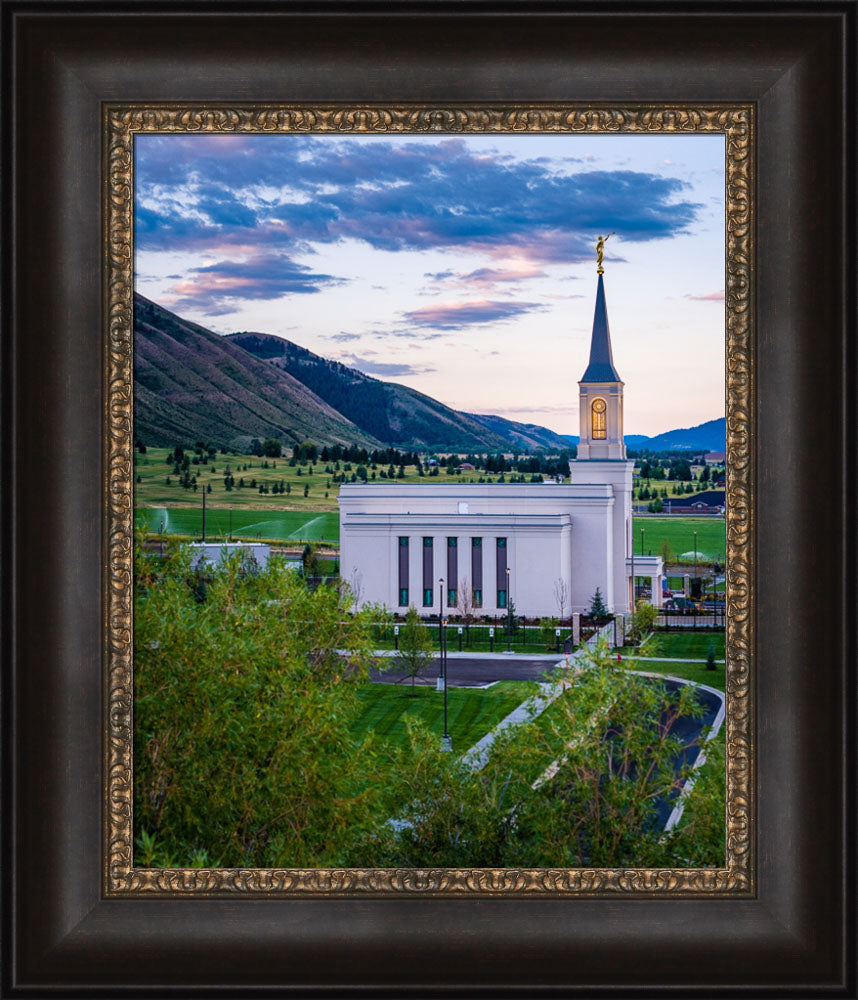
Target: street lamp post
(642,538)
(633,573)
(508,615)
(446,742)
(441,631)
(695,576)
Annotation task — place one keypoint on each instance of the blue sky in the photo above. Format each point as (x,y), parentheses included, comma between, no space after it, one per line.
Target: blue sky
(461,266)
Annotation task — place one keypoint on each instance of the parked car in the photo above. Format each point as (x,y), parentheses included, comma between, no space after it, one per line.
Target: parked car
(682,606)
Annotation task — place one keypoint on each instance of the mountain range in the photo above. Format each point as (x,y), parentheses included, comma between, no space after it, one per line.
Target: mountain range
(191,384)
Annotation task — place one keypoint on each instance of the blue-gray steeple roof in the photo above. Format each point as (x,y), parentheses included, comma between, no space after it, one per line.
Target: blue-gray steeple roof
(601,366)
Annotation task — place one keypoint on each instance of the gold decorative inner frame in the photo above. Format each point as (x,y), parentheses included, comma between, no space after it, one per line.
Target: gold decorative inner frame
(121,123)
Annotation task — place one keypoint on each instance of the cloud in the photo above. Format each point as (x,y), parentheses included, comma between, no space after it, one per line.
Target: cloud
(484,279)
(292,192)
(460,315)
(513,410)
(709,297)
(219,288)
(343,337)
(385,367)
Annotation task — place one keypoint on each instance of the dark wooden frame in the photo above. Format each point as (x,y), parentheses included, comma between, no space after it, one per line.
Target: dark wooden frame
(797,63)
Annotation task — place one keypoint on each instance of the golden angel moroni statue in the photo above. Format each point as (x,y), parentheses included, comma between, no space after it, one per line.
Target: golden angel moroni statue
(600,252)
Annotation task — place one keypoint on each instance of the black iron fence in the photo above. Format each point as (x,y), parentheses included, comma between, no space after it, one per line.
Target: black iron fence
(495,636)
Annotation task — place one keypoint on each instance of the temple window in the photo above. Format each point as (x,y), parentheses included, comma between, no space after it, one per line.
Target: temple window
(597,412)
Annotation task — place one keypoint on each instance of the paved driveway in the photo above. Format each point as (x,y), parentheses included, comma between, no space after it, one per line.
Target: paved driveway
(473,671)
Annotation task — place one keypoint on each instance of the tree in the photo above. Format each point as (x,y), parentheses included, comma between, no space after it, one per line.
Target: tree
(642,620)
(604,766)
(710,657)
(667,553)
(244,707)
(597,606)
(415,646)
(465,604)
(310,560)
(561,595)
(306,489)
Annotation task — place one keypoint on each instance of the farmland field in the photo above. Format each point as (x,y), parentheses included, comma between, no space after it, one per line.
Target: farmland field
(679,532)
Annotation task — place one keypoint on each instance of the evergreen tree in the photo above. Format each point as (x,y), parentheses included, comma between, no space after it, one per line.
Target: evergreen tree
(597,606)
(710,657)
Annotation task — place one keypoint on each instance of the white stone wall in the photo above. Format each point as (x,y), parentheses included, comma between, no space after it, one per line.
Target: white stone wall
(574,532)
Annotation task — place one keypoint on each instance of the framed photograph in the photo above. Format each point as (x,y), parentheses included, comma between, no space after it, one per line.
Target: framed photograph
(279,453)
(387,213)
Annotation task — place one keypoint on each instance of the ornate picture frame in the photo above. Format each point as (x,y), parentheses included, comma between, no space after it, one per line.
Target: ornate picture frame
(736,124)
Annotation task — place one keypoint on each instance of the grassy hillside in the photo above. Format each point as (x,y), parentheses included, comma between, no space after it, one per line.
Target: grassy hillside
(190,384)
(394,414)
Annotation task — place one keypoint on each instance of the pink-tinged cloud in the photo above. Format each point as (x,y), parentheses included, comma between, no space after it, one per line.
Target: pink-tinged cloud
(217,288)
(485,278)
(710,297)
(459,315)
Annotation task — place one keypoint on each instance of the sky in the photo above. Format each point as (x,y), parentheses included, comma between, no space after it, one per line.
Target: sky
(462,266)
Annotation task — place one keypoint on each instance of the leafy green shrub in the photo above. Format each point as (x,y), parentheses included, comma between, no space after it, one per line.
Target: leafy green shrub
(242,713)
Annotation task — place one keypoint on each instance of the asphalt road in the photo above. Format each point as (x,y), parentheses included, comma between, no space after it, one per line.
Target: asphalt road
(473,672)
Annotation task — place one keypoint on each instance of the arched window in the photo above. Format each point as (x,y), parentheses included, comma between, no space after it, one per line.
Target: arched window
(597,413)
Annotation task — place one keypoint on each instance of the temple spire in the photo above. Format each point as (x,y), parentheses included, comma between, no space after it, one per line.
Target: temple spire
(601,366)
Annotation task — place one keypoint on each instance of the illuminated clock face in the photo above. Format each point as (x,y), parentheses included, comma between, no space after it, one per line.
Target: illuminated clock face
(598,406)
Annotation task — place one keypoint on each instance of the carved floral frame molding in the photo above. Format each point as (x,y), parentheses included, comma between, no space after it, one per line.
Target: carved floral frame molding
(121,123)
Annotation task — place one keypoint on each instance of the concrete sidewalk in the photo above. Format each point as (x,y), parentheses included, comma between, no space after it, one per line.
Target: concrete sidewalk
(498,654)
(477,756)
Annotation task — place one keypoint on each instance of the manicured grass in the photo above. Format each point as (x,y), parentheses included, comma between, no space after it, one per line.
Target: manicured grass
(472,712)
(280,524)
(525,639)
(694,645)
(696,672)
(679,531)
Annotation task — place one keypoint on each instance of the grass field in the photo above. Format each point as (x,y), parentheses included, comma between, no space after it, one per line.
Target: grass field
(281,524)
(315,517)
(679,532)
(471,712)
(696,672)
(685,645)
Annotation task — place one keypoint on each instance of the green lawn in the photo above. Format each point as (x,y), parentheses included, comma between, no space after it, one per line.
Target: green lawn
(472,712)
(525,639)
(693,645)
(696,672)
(281,524)
(679,532)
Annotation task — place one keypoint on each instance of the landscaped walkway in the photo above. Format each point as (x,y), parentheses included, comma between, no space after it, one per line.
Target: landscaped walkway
(714,701)
(477,756)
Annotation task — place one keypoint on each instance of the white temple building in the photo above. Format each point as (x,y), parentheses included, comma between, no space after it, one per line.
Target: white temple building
(532,543)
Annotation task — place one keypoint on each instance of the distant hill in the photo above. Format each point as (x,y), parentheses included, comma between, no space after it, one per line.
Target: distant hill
(525,437)
(391,413)
(191,384)
(709,436)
